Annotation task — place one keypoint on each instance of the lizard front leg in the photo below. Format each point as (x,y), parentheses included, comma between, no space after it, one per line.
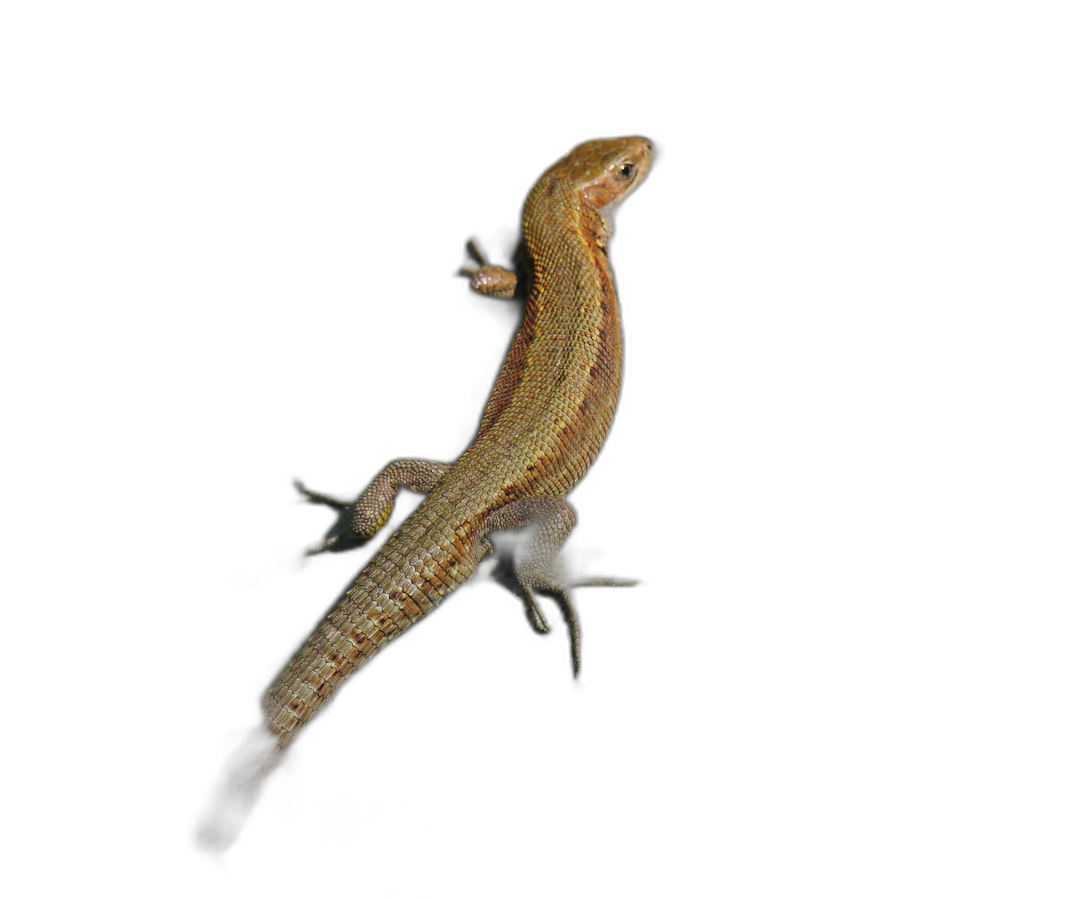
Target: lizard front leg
(491,280)
(359,521)
(547,523)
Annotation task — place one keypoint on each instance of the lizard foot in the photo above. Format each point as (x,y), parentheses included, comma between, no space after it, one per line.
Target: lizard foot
(343,534)
(359,521)
(555,582)
(488,279)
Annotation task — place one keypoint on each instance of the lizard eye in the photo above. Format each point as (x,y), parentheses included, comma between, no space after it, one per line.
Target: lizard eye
(626,170)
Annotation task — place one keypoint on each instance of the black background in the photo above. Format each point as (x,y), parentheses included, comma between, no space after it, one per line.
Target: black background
(294,248)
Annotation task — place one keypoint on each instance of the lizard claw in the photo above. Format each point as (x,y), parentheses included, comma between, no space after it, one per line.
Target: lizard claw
(566,606)
(533,614)
(319,498)
(472,247)
(504,575)
(604,581)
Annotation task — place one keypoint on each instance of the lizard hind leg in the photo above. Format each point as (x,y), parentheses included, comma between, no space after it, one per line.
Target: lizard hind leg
(359,521)
(533,567)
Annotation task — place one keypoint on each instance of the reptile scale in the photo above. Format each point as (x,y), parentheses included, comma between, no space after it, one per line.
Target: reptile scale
(549,412)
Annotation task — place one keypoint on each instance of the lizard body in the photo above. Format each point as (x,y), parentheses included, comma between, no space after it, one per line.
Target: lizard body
(547,417)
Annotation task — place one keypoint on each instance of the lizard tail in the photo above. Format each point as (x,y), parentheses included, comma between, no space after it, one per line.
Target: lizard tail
(239,790)
(353,631)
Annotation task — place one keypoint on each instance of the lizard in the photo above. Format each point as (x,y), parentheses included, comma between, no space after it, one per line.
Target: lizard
(549,412)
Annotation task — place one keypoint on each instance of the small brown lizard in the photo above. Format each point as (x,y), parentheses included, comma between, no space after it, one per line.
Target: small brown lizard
(547,417)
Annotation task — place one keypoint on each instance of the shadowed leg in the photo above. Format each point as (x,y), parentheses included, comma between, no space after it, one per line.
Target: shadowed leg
(358,521)
(544,526)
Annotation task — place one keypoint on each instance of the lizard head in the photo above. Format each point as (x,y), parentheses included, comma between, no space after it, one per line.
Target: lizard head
(606,171)
(587,184)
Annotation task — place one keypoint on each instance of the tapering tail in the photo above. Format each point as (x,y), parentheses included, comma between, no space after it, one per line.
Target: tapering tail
(249,766)
(358,626)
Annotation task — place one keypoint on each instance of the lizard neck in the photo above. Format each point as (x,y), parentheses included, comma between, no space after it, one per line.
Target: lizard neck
(566,247)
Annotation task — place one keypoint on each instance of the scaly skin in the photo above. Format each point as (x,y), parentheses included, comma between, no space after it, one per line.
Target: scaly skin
(547,417)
